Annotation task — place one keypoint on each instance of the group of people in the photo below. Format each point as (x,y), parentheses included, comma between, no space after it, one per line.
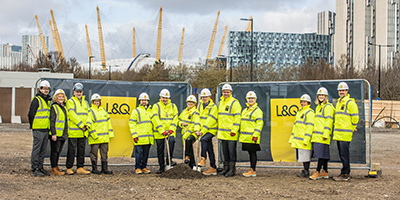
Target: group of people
(74,120)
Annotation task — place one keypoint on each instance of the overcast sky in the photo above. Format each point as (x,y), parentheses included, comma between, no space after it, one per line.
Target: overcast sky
(118,17)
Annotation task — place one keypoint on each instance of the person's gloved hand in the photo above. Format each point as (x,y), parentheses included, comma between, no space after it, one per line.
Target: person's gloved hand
(170,132)
(255,139)
(135,140)
(233,134)
(165,133)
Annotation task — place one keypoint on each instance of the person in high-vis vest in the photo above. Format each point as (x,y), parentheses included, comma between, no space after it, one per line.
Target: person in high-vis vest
(251,126)
(301,135)
(166,113)
(208,112)
(322,133)
(189,121)
(58,129)
(346,120)
(39,122)
(141,124)
(78,109)
(228,129)
(99,133)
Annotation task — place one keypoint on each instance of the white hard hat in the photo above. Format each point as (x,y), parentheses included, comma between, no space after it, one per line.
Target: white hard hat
(165,93)
(44,83)
(95,96)
(251,94)
(191,98)
(342,86)
(227,87)
(144,96)
(305,97)
(78,87)
(59,91)
(323,91)
(205,93)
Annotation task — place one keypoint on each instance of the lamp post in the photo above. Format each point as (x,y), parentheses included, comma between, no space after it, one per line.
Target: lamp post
(251,54)
(90,60)
(379,75)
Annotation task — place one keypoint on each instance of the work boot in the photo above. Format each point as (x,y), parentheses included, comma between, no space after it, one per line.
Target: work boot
(324,174)
(202,162)
(59,169)
(94,168)
(46,173)
(210,171)
(82,170)
(70,171)
(250,173)
(104,168)
(37,173)
(160,171)
(145,171)
(232,169)
(55,171)
(303,173)
(225,170)
(173,163)
(187,159)
(138,171)
(316,175)
(342,177)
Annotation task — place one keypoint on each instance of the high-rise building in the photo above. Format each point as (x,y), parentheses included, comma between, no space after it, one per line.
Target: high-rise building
(359,23)
(9,55)
(282,49)
(31,46)
(326,26)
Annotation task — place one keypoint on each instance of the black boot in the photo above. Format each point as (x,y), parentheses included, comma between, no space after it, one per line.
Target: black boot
(94,168)
(225,170)
(232,169)
(104,166)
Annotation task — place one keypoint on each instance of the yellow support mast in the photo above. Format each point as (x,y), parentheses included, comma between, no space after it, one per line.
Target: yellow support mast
(54,37)
(88,44)
(102,52)
(181,46)
(158,51)
(41,36)
(134,44)
(222,42)
(210,48)
(57,35)
(248,29)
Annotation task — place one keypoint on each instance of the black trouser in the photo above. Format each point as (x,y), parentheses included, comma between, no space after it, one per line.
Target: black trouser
(207,147)
(322,163)
(39,148)
(160,150)
(229,150)
(253,159)
(79,145)
(94,151)
(56,148)
(189,149)
(344,154)
(141,155)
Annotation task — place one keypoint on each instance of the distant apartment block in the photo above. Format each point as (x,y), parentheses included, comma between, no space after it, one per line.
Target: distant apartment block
(31,46)
(326,26)
(10,55)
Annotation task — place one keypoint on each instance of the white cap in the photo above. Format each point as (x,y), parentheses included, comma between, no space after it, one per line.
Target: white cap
(95,96)
(227,87)
(305,97)
(165,93)
(191,98)
(78,87)
(44,83)
(251,94)
(323,91)
(205,93)
(144,96)
(342,86)
(59,91)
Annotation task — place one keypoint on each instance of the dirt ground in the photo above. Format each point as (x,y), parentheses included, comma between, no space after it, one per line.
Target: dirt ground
(270,183)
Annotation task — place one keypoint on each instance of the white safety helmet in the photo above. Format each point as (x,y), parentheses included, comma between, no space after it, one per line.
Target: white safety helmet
(342,86)
(305,97)
(59,91)
(191,98)
(95,96)
(323,91)
(251,94)
(165,93)
(227,87)
(78,87)
(44,83)
(144,96)
(205,93)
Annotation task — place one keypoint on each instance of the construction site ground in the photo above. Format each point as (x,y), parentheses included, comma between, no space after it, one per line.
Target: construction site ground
(270,183)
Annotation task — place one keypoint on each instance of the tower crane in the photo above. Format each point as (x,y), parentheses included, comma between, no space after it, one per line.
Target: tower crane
(134,44)
(102,52)
(181,46)
(41,36)
(210,48)
(88,45)
(57,35)
(248,29)
(158,51)
(222,42)
(54,37)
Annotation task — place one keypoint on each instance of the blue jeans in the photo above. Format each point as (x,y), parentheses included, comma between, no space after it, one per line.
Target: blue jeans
(207,147)
(141,156)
